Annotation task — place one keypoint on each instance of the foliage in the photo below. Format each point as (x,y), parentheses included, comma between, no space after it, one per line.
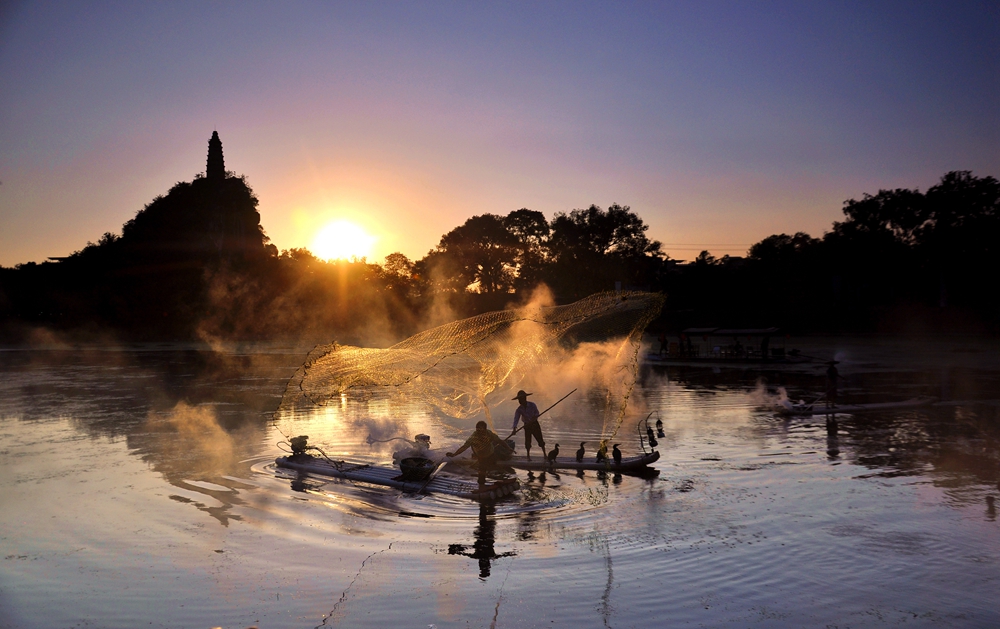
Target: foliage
(196,263)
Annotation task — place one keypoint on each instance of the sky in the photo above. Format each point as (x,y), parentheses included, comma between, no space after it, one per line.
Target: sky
(719,123)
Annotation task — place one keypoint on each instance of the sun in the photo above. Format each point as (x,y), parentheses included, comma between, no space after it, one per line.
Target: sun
(342,240)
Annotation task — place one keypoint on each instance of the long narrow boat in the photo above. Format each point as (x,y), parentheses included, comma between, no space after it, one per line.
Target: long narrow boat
(628,464)
(819,408)
(387,476)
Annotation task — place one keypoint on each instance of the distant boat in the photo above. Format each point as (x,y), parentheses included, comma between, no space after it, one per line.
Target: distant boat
(820,408)
(725,345)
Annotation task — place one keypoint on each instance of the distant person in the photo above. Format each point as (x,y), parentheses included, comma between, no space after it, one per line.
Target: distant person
(528,412)
(488,448)
(832,376)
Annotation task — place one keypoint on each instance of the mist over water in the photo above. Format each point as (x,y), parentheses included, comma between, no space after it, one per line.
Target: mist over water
(138,489)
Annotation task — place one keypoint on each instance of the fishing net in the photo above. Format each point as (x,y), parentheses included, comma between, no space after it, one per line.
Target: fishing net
(466,367)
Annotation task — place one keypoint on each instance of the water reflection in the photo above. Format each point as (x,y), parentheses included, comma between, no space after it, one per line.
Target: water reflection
(832,442)
(193,415)
(482,549)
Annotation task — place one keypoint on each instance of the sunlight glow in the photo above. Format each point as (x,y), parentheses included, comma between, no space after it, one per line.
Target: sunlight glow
(342,240)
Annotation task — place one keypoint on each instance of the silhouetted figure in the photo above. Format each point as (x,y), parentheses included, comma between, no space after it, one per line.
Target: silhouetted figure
(602,453)
(616,454)
(486,446)
(580,452)
(553,454)
(832,376)
(482,548)
(529,413)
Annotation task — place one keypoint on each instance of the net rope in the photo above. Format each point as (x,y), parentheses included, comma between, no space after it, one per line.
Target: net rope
(466,367)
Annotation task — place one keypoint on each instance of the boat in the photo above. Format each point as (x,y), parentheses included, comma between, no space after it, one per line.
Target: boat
(724,345)
(820,408)
(391,477)
(628,464)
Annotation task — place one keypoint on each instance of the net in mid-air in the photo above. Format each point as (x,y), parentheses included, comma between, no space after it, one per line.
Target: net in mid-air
(466,367)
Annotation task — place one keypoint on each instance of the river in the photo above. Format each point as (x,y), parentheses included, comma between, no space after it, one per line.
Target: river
(138,489)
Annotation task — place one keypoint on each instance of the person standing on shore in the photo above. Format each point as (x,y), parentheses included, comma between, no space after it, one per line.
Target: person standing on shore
(832,376)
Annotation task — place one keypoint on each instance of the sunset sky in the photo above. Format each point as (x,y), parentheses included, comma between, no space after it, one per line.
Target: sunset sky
(718,123)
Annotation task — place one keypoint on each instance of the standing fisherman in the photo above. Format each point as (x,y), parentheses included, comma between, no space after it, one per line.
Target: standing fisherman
(529,413)
(832,376)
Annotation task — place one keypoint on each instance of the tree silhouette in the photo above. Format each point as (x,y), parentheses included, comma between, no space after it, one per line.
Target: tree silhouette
(532,233)
(592,249)
(479,255)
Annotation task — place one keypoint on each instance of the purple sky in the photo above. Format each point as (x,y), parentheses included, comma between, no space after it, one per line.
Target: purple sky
(718,123)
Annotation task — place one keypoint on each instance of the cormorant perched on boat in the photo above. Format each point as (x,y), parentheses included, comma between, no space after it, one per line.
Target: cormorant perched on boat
(616,454)
(602,453)
(580,452)
(553,454)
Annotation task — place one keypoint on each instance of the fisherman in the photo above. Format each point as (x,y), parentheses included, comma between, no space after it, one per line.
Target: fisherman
(487,447)
(420,448)
(529,413)
(832,376)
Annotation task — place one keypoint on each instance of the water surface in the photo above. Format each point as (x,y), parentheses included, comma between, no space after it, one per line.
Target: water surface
(138,488)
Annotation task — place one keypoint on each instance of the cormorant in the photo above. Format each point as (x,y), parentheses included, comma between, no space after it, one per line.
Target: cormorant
(617,454)
(580,452)
(602,453)
(553,454)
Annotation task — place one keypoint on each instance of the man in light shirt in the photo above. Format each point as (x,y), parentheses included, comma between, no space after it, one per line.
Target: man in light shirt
(528,412)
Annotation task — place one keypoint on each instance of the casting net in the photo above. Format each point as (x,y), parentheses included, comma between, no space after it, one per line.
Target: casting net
(466,367)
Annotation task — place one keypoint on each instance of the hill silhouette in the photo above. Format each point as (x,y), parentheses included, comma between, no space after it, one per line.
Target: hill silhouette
(151,282)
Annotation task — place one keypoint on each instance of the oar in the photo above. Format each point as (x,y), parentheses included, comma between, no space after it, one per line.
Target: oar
(543,412)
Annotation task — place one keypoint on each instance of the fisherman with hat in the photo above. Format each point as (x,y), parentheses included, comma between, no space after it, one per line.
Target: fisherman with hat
(529,413)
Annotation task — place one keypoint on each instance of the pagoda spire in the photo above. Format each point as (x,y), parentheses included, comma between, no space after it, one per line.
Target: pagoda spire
(216,169)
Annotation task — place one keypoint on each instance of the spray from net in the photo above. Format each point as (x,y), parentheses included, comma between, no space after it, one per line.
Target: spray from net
(465,368)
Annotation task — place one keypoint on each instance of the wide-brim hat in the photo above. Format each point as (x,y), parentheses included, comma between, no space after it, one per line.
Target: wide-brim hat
(520,394)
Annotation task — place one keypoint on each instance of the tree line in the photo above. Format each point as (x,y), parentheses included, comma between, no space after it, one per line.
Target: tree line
(196,263)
